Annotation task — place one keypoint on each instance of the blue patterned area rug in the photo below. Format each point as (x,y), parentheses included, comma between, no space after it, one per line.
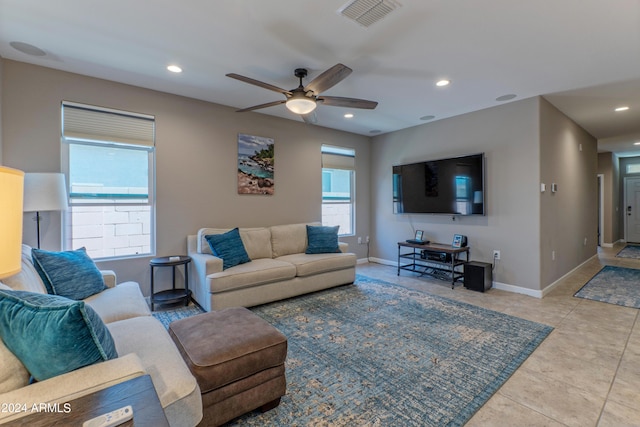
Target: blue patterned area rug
(168,315)
(614,285)
(630,251)
(376,354)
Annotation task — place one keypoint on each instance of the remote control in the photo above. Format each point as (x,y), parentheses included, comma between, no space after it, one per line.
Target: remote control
(111,419)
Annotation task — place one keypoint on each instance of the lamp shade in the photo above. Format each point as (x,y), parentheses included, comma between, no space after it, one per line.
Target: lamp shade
(44,192)
(11,193)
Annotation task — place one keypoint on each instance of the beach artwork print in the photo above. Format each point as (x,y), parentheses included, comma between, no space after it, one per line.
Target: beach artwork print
(255,165)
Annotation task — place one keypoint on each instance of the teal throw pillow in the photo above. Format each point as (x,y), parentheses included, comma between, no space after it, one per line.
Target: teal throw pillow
(229,247)
(52,335)
(322,239)
(71,274)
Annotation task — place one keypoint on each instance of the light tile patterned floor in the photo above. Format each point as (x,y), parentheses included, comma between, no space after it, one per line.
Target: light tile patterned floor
(586,373)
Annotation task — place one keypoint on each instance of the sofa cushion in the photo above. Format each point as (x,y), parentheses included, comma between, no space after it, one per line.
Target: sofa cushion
(177,389)
(28,279)
(71,274)
(229,247)
(257,241)
(13,373)
(258,272)
(51,334)
(322,239)
(289,239)
(308,265)
(123,301)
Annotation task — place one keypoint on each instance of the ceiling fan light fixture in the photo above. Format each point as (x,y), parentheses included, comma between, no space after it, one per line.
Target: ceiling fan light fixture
(301,104)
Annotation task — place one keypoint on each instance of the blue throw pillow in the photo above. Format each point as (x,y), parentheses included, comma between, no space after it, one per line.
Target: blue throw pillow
(52,335)
(71,274)
(322,240)
(229,247)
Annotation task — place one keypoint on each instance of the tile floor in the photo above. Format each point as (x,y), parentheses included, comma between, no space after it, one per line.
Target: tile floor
(586,373)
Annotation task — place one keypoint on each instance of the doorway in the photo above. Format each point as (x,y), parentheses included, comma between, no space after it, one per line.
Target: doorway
(632,210)
(600,209)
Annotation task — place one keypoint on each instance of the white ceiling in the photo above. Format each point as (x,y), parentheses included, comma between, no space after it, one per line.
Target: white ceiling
(582,55)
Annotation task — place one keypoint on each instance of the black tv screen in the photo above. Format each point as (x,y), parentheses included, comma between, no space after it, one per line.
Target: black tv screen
(453,186)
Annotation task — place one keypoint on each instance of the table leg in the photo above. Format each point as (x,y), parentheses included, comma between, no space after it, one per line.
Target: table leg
(186,283)
(398,260)
(151,288)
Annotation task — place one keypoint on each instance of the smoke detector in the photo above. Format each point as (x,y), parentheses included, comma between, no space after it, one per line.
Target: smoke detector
(368,12)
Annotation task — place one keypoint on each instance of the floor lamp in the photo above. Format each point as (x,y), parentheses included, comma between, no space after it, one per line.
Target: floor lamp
(44,192)
(11,194)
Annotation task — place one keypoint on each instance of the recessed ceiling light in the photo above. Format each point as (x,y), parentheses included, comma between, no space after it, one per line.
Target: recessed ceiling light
(348,116)
(625,108)
(27,48)
(443,82)
(427,117)
(174,69)
(507,97)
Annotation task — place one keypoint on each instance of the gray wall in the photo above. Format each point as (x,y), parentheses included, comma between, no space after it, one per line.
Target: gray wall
(509,137)
(196,152)
(568,157)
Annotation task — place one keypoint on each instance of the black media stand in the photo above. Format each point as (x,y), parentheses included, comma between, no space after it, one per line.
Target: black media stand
(435,259)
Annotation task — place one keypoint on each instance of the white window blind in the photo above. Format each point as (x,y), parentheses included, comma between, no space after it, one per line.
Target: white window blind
(89,123)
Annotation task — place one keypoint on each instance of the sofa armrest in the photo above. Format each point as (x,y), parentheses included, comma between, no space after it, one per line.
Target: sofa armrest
(344,247)
(72,385)
(109,277)
(206,264)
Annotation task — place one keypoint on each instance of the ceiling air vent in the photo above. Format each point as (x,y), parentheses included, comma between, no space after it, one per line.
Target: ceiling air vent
(367,12)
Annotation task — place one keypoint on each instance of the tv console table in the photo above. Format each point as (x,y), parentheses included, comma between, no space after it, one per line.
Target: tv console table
(435,259)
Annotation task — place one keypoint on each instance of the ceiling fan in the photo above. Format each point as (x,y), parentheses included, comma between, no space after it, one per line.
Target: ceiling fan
(304,99)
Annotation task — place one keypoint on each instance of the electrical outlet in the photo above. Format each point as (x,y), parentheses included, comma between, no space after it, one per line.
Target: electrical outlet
(367,239)
(553,255)
(496,254)
(585,241)
(359,240)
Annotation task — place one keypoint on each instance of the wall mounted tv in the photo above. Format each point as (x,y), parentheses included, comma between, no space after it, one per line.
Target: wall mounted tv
(453,186)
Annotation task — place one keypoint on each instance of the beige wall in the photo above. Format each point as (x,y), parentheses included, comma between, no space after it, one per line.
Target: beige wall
(196,152)
(568,157)
(509,137)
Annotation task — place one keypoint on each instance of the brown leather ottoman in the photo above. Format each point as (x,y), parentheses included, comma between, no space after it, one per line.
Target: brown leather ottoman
(237,359)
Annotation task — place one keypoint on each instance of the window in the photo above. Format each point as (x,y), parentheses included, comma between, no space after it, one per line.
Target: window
(633,168)
(109,160)
(338,201)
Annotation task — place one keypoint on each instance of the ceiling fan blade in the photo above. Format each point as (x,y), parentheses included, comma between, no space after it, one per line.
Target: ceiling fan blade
(337,101)
(258,83)
(310,118)
(328,79)
(257,107)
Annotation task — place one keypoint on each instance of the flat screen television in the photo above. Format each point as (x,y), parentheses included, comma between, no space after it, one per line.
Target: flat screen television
(453,186)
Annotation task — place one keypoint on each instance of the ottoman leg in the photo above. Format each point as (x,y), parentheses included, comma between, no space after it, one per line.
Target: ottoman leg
(270,405)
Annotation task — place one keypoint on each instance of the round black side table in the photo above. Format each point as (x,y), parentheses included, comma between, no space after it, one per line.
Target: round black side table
(171,295)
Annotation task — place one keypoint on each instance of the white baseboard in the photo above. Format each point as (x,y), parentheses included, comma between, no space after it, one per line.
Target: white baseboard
(497,285)
(549,288)
(505,286)
(362,261)
(610,245)
(517,289)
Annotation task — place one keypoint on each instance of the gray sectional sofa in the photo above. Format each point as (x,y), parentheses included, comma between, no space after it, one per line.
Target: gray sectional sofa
(279,268)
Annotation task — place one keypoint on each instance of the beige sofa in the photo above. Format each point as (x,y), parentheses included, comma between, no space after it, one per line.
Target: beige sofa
(279,268)
(142,343)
